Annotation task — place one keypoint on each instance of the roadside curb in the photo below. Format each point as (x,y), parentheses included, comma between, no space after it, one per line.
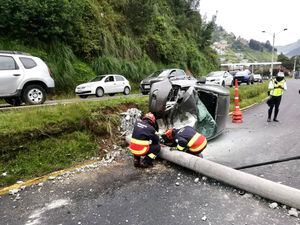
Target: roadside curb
(250,106)
(44,178)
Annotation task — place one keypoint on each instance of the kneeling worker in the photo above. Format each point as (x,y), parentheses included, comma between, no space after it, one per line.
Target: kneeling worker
(185,139)
(144,141)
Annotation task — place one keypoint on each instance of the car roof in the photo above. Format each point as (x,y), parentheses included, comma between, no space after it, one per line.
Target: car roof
(14,53)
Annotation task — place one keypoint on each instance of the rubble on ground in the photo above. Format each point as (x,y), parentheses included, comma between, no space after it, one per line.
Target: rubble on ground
(128,120)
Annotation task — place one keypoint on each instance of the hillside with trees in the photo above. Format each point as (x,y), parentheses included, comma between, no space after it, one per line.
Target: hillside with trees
(81,38)
(237,49)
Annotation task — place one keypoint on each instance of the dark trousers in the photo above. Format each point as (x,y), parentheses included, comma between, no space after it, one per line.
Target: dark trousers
(274,101)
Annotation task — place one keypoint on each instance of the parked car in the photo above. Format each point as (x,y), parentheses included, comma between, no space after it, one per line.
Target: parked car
(160,75)
(244,77)
(24,78)
(257,78)
(220,78)
(105,84)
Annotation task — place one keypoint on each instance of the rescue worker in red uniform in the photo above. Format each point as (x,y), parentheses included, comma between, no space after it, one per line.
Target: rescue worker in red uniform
(185,139)
(144,141)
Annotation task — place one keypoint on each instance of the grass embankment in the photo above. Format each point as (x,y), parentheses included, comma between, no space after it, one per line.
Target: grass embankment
(249,94)
(37,141)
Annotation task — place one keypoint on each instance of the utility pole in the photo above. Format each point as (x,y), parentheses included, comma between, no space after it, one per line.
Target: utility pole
(273,47)
(295,62)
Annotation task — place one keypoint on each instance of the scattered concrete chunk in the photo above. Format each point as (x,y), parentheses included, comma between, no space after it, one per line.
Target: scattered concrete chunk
(13,191)
(293,212)
(177,183)
(197,180)
(204,218)
(273,205)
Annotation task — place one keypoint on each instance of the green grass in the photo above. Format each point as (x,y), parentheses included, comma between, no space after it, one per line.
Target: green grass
(36,141)
(43,156)
(22,120)
(249,94)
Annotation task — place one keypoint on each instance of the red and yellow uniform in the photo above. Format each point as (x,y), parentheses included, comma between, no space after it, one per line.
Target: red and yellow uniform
(187,139)
(144,141)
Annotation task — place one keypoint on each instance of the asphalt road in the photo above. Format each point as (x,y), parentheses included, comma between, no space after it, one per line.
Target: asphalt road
(120,194)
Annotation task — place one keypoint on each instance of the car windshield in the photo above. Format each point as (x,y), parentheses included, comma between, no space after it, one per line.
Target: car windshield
(214,74)
(160,73)
(243,73)
(98,78)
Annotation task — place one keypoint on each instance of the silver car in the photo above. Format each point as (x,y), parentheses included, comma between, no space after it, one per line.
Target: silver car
(24,78)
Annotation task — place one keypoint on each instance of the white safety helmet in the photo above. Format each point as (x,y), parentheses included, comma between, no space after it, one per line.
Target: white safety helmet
(280,74)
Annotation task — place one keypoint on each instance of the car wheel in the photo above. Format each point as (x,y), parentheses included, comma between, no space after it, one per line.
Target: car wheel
(126,91)
(111,94)
(223,83)
(99,92)
(13,101)
(248,82)
(144,93)
(83,96)
(34,95)
(232,83)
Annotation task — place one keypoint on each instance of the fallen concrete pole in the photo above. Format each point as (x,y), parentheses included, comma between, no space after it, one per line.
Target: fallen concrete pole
(244,181)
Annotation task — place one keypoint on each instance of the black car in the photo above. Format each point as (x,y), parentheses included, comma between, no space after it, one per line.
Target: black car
(160,75)
(177,103)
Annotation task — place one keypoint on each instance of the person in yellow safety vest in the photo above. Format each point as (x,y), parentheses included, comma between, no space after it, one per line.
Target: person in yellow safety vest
(276,89)
(185,139)
(144,141)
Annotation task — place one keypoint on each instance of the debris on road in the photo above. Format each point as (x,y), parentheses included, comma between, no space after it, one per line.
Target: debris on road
(293,212)
(204,218)
(128,120)
(196,180)
(273,205)
(13,191)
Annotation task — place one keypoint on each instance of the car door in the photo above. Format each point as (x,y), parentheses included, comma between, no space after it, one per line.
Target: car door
(120,83)
(10,75)
(110,85)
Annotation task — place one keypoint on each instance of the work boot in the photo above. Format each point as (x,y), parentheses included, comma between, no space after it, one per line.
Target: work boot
(137,161)
(146,162)
(275,120)
(269,120)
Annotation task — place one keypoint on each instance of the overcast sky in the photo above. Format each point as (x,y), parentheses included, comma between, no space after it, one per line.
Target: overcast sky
(247,18)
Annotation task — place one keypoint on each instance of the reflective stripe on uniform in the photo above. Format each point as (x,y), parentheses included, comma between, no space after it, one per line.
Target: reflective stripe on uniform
(152,156)
(139,147)
(277,91)
(141,152)
(139,142)
(192,141)
(200,147)
(180,148)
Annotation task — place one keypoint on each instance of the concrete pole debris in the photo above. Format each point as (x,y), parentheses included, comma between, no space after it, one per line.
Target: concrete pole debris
(253,184)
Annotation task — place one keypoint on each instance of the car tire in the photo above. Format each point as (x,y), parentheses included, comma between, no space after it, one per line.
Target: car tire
(126,91)
(83,96)
(111,94)
(13,101)
(223,83)
(99,92)
(144,93)
(248,82)
(34,95)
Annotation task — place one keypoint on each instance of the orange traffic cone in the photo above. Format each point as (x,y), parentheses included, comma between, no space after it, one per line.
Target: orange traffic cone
(237,116)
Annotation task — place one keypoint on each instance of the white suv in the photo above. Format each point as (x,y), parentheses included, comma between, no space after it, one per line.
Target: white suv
(24,78)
